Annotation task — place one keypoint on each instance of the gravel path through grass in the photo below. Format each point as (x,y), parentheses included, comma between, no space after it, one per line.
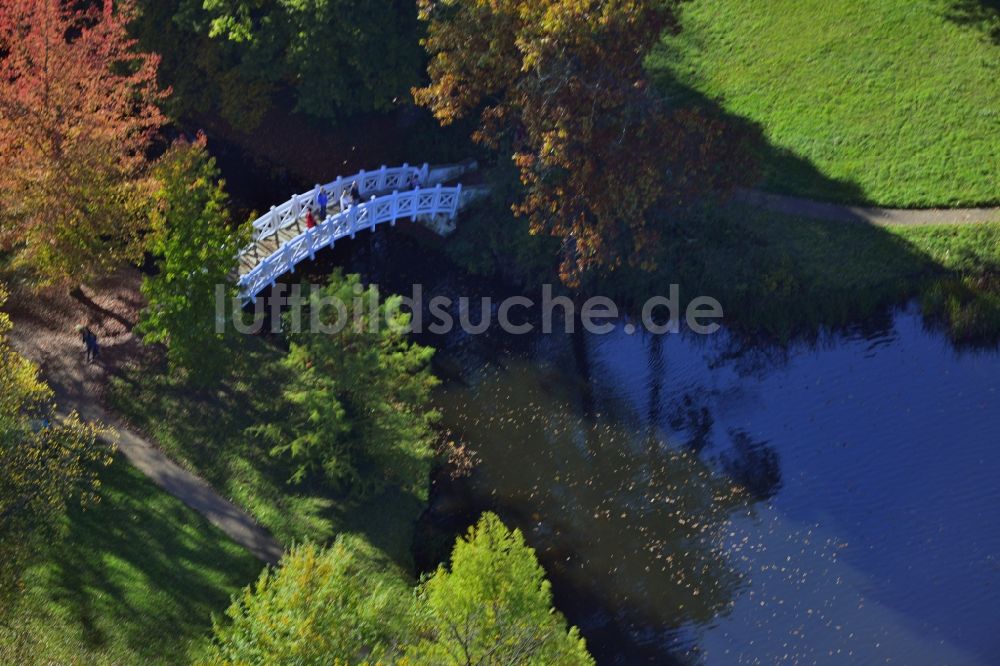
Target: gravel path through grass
(822,210)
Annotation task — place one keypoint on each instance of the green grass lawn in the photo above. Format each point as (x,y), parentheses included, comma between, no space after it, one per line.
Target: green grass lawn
(135,581)
(892,102)
(206,432)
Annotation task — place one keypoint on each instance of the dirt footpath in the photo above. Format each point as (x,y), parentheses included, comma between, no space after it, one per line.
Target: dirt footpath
(44,331)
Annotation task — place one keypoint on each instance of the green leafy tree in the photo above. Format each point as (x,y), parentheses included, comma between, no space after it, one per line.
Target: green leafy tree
(207,76)
(343,604)
(356,402)
(340,56)
(493,607)
(45,466)
(348,604)
(196,250)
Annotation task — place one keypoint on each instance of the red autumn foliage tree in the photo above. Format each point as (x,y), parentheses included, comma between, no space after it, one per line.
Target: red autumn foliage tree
(561,83)
(77,113)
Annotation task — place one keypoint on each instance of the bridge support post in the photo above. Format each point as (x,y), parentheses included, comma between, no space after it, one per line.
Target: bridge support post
(436,203)
(274,222)
(296,210)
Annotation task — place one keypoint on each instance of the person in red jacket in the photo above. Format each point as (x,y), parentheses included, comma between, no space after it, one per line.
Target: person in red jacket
(310,220)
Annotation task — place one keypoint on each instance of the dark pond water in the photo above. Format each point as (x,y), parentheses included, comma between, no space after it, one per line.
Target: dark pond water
(696,501)
(700,500)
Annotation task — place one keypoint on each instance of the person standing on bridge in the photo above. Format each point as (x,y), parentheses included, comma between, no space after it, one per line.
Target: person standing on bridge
(355,192)
(310,220)
(322,200)
(345,200)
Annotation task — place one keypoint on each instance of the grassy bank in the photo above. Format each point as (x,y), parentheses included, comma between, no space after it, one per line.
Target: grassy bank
(892,102)
(205,431)
(782,276)
(135,581)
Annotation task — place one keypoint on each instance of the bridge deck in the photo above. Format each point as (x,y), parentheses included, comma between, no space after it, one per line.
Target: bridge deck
(281,238)
(265,246)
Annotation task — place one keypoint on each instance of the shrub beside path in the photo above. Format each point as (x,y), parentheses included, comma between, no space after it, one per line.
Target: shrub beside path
(44,332)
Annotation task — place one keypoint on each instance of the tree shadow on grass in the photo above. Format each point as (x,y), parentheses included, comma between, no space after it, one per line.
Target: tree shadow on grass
(783,278)
(774,167)
(141,572)
(387,520)
(783,275)
(205,429)
(983,15)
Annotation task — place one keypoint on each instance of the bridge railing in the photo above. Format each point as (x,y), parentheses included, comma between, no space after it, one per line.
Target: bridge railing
(369,182)
(413,204)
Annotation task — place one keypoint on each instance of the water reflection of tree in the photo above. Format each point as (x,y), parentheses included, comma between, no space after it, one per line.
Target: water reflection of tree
(648,532)
(622,520)
(754,465)
(755,356)
(695,420)
(754,359)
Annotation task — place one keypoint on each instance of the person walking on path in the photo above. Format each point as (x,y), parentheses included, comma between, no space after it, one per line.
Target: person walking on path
(95,348)
(84,334)
(321,201)
(90,346)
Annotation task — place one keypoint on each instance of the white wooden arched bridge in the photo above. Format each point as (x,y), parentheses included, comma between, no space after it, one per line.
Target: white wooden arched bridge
(281,238)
